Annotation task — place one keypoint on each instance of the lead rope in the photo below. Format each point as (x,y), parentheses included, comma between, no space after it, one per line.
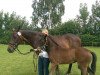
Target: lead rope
(35,61)
(18,51)
(35,57)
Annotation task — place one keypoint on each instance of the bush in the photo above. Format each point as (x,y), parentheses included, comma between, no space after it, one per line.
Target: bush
(90,40)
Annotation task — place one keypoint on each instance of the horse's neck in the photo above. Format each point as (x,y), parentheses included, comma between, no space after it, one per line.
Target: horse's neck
(58,41)
(52,40)
(26,38)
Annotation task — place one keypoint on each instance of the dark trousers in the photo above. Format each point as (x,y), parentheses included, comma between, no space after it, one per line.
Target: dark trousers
(43,66)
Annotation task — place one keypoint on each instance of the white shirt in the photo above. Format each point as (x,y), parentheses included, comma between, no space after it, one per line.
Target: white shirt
(43,54)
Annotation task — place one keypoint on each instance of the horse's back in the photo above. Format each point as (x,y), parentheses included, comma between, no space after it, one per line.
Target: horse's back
(67,40)
(74,40)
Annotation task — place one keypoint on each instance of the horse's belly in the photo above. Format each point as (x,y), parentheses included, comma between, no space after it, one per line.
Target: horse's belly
(67,60)
(63,57)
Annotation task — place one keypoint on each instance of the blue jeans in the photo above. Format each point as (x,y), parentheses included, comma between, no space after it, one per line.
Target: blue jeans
(43,66)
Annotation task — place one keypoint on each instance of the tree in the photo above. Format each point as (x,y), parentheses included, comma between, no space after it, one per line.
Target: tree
(8,22)
(1,19)
(70,26)
(47,13)
(95,18)
(83,17)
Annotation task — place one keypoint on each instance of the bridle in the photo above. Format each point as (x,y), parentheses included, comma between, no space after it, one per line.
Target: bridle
(17,50)
(14,45)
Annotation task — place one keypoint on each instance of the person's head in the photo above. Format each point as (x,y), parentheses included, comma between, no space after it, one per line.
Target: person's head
(45,31)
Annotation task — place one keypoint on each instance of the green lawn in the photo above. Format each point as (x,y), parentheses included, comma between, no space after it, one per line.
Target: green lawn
(16,64)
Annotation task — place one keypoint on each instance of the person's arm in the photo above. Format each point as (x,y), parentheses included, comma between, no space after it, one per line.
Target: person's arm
(38,50)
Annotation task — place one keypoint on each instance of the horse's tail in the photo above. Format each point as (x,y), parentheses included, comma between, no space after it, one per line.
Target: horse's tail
(93,64)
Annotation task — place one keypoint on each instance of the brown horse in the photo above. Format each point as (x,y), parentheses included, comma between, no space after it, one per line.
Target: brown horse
(73,41)
(61,50)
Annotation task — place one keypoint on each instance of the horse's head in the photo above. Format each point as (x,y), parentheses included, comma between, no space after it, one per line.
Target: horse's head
(35,39)
(15,41)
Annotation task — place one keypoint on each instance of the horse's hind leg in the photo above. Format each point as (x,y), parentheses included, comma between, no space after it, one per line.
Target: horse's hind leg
(69,69)
(90,71)
(84,70)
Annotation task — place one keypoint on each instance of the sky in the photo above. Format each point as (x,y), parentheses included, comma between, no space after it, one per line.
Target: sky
(72,8)
(24,9)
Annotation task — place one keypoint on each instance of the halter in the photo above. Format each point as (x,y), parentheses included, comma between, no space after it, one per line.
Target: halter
(18,51)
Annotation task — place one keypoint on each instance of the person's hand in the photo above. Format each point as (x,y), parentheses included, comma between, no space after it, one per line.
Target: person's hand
(38,50)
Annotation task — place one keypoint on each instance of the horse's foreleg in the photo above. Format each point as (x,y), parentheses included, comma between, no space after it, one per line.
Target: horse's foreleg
(52,70)
(57,70)
(69,69)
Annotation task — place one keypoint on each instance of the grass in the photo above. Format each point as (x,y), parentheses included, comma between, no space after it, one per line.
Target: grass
(16,64)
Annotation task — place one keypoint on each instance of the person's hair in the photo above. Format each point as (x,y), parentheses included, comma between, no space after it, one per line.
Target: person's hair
(45,31)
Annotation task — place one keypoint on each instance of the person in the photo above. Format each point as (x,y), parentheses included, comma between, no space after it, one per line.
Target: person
(43,59)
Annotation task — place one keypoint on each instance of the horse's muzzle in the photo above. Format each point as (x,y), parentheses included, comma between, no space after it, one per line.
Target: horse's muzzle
(10,50)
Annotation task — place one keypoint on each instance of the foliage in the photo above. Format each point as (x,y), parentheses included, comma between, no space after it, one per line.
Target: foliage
(83,12)
(47,13)
(95,18)
(87,27)
(87,39)
(67,27)
(83,17)
(8,22)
